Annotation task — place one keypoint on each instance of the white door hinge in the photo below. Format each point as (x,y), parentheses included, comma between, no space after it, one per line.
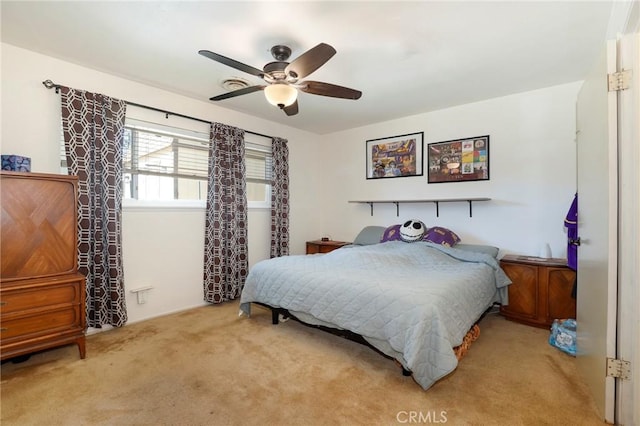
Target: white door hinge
(618,368)
(619,80)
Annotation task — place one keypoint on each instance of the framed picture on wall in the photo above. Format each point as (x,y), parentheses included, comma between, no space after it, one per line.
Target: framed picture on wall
(395,156)
(459,160)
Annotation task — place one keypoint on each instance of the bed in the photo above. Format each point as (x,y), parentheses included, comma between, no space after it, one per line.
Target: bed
(413,302)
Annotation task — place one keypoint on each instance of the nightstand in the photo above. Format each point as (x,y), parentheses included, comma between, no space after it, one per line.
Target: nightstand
(541,290)
(319,246)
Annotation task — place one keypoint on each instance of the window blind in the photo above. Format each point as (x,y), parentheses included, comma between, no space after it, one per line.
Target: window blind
(258,161)
(155,152)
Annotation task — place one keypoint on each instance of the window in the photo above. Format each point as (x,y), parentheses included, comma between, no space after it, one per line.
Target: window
(164,163)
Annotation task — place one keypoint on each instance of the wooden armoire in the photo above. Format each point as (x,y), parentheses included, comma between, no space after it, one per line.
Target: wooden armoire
(42,295)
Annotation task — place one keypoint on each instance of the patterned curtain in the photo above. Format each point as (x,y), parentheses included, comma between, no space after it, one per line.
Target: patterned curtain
(280,198)
(93,127)
(226,249)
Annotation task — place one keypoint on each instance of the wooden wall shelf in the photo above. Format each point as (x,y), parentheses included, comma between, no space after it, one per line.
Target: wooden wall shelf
(437,202)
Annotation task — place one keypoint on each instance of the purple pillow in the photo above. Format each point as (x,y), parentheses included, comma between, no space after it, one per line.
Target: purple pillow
(442,236)
(392,233)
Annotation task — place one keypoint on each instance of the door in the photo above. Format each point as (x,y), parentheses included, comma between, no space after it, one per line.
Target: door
(597,158)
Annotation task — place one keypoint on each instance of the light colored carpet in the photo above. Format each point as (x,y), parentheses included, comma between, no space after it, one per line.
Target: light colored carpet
(207,366)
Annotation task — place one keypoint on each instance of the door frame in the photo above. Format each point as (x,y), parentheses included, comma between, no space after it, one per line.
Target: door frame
(624,22)
(628,342)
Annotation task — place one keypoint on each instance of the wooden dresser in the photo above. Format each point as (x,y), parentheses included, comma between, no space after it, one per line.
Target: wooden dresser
(42,295)
(541,290)
(320,246)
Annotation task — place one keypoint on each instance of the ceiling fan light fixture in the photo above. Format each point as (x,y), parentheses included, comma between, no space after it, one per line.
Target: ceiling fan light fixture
(280,94)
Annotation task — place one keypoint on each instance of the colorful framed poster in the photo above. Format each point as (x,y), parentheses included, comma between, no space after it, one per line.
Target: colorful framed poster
(395,156)
(459,160)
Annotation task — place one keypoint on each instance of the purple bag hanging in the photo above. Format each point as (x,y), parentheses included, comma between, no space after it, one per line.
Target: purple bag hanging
(571,223)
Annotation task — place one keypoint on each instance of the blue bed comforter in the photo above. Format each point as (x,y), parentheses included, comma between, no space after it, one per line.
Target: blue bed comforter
(414,302)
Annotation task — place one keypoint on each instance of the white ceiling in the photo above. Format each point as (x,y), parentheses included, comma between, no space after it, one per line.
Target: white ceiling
(406,57)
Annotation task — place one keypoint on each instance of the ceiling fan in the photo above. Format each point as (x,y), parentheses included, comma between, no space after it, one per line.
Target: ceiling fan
(284,79)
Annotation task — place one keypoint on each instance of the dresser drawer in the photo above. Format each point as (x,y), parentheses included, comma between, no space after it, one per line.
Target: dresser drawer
(35,297)
(64,318)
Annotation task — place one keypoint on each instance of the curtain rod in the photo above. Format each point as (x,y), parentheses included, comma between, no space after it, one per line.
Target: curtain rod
(51,85)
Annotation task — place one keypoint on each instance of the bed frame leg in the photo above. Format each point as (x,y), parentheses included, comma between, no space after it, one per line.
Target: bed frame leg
(275,313)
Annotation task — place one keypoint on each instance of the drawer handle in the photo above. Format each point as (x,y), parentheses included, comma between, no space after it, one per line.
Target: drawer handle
(2,303)
(3,328)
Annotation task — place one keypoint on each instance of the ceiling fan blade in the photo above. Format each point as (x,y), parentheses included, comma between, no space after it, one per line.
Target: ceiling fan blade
(332,90)
(310,61)
(232,63)
(239,92)
(291,109)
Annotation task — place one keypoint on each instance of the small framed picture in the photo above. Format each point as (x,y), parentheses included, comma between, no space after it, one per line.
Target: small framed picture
(395,156)
(459,160)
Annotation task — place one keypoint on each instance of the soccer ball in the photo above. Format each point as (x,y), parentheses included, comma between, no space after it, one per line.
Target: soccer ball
(412,230)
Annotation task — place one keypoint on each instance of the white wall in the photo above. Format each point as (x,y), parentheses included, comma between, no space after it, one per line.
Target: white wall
(532,173)
(162,248)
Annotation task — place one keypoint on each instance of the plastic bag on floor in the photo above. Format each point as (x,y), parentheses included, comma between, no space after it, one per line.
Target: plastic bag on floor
(563,335)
